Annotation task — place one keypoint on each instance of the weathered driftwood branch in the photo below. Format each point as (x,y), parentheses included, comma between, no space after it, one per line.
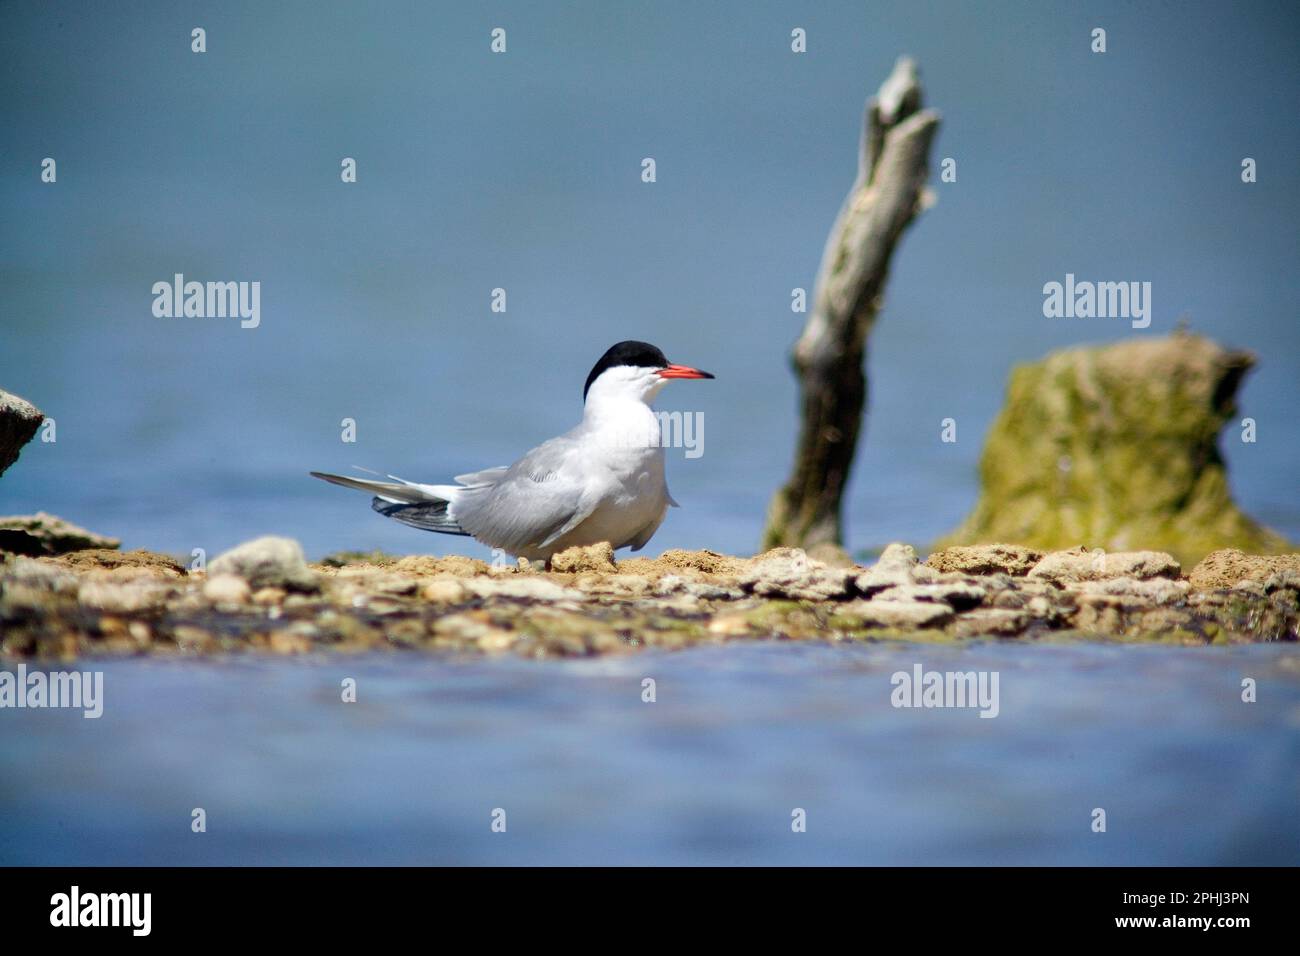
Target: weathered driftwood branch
(828,358)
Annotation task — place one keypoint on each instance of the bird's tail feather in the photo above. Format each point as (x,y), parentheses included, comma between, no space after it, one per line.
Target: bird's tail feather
(392,490)
(427,515)
(419,506)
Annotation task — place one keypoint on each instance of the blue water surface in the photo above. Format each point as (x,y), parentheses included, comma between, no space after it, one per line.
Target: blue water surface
(739,736)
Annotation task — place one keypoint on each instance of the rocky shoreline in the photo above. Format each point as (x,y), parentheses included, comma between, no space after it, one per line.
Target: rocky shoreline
(264,597)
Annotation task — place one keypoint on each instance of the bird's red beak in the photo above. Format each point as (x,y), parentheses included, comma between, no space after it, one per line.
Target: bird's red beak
(683,371)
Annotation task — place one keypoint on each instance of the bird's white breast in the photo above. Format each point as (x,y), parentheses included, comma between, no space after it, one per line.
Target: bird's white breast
(625,467)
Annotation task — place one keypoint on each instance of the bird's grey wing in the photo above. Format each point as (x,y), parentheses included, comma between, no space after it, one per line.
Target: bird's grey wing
(488,476)
(540,498)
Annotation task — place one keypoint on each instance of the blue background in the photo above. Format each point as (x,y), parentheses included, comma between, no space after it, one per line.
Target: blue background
(522,171)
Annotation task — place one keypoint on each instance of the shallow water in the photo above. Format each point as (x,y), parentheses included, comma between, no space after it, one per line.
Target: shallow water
(738,737)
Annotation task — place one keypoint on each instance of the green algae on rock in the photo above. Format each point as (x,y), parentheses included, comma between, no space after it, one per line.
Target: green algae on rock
(1115,447)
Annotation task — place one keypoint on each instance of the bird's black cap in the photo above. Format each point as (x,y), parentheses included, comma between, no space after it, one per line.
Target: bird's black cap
(631,352)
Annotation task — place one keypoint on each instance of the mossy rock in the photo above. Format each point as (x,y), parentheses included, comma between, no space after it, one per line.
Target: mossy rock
(1116,447)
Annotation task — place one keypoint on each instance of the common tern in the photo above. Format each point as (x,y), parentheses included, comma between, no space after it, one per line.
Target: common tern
(601,481)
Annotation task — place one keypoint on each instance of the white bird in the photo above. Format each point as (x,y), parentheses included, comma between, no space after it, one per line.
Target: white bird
(601,481)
